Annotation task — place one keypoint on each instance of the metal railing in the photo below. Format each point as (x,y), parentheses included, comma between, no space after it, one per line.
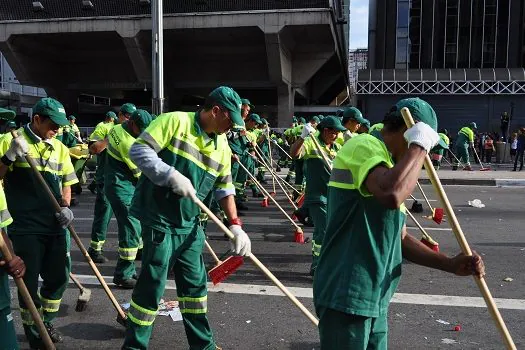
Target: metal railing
(22,89)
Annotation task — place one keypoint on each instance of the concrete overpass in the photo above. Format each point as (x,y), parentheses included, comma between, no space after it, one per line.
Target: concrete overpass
(279,53)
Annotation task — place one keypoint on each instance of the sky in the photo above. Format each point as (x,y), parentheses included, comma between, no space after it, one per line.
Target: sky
(358,24)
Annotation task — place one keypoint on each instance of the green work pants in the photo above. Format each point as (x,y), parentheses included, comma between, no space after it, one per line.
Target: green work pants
(45,256)
(102,217)
(339,330)
(318,214)
(462,153)
(119,196)
(7,330)
(299,174)
(163,251)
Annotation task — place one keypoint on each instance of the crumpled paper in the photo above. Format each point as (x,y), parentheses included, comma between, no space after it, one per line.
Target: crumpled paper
(476,203)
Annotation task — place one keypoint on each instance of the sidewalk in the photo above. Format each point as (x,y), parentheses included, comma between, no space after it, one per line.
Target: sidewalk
(498,176)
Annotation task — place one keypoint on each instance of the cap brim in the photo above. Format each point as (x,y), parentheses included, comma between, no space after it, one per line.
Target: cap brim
(442,144)
(7,114)
(340,128)
(237,121)
(60,120)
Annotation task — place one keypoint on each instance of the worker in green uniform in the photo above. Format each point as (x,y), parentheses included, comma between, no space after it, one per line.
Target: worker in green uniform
(318,175)
(38,233)
(120,177)
(366,237)
(10,125)
(252,134)
(180,155)
(376,127)
(436,154)
(110,118)
(16,268)
(299,163)
(73,127)
(464,140)
(364,127)
(102,211)
(264,146)
(352,120)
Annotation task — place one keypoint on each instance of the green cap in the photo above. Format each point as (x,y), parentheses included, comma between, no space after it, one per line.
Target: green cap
(473,125)
(128,108)
(315,119)
(53,109)
(255,118)
(294,119)
(339,113)
(141,118)
(72,117)
(10,124)
(229,99)
(353,113)
(7,114)
(367,123)
(302,120)
(264,121)
(331,122)
(245,101)
(421,111)
(111,115)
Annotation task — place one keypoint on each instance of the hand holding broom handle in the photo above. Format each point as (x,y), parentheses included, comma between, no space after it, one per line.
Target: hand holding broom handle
(256,261)
(465,248)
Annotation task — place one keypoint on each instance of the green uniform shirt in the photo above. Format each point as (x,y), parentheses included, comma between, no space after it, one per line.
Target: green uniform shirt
(178,139)
(317,174)
(5,219)
(378,127)
(100,133)
(119,167)
(465,135)
(360,263)
(28,202)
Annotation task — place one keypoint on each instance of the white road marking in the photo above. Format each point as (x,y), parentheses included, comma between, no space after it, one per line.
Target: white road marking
(431,228)
(300,292)
(421,200)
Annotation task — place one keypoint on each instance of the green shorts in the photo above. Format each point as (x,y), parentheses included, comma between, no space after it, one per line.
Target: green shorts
(339,330)
(7,330)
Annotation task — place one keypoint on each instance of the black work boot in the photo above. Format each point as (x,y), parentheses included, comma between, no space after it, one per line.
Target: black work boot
(256,194)
(124,283)
(92,187)
(97,256)
(55,335)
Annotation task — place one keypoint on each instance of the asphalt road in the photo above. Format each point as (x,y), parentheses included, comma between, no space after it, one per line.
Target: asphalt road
(247,313)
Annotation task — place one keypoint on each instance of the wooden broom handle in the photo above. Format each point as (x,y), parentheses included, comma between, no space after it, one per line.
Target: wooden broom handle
(425,196)
(460,237)
(259,264)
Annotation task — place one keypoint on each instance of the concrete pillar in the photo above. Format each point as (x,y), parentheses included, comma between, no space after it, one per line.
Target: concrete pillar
(285,105)
(139,60)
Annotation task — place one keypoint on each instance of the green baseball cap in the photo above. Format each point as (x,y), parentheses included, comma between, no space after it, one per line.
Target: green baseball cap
(421,111)
(10,124)
(111,115)
(72,117)
(367,123)
(353,113)
(302,120)
(294,119)
(141,118)
(255,118)
(245,101)
(128,108)
(315,119)
(7,114)
(331,122)
(473,125)
(53,109)
(264,121)
(229,99)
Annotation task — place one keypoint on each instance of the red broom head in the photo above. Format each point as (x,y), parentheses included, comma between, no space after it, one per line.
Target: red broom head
(220,272)
(299,236)
(429,242)
(272,194)
(300,201)
(437,215)
(264,203)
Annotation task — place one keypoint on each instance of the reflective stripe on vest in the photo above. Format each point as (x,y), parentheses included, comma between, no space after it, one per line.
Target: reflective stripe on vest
(129,254)
(49,305)
(205,161)
(342,178)
(96,245)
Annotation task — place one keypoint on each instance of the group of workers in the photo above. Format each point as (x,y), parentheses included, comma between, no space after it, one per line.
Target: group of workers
(151,171)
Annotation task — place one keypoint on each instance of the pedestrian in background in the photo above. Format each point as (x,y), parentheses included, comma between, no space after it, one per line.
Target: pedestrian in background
(488,148)
(520,149)
(504,125)
(513,146)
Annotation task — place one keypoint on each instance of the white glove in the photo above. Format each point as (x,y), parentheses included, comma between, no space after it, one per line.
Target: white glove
(422,135)
(180,184)
(274,141)
(17,149)
(307,130)
(242,245)
(65,217)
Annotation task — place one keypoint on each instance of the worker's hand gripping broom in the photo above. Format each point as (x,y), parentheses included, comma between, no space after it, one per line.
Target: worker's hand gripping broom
(465,248)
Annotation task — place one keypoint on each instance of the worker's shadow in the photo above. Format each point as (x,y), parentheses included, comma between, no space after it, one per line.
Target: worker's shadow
(94,331)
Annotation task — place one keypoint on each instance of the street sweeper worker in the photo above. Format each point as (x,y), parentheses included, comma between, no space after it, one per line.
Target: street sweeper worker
(120,178)
(352,121)
(73,127)
(102,211)
(366,237)
(181,154)
(38,233)
(436,153)
(110,118)
(16,267)
(318,175)
(464,140)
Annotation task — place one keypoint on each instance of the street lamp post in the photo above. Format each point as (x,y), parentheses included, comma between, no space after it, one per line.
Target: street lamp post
(157,57)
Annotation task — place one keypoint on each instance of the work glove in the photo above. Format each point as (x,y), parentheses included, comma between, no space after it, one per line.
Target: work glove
(180,184)
(307,130)
(17,149)
(65,217)
(242,244)
(274,141)
(422,135)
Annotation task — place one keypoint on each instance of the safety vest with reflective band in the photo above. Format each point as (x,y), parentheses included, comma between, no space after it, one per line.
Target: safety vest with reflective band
(118,163)
(360,262)
(28,202)
(99,134)
(5,219)
(445,138)
(179,140)
(5,216)
(74,128)
(317,173)
(377,126)
(466,135)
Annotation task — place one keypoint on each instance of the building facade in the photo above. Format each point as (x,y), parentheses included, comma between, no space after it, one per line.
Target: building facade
(465,57)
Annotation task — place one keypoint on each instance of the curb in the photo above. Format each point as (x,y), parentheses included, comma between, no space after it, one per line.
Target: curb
(479,182)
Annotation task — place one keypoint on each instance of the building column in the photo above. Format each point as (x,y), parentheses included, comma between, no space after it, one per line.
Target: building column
(285,105)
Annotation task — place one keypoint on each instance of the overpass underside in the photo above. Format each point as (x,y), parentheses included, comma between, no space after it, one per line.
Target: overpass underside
(277,59)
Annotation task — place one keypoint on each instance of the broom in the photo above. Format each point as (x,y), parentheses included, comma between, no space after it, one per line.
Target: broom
(465,248)
(426,239)
(83,297)
(437,213)
(223,269)
(479,160)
